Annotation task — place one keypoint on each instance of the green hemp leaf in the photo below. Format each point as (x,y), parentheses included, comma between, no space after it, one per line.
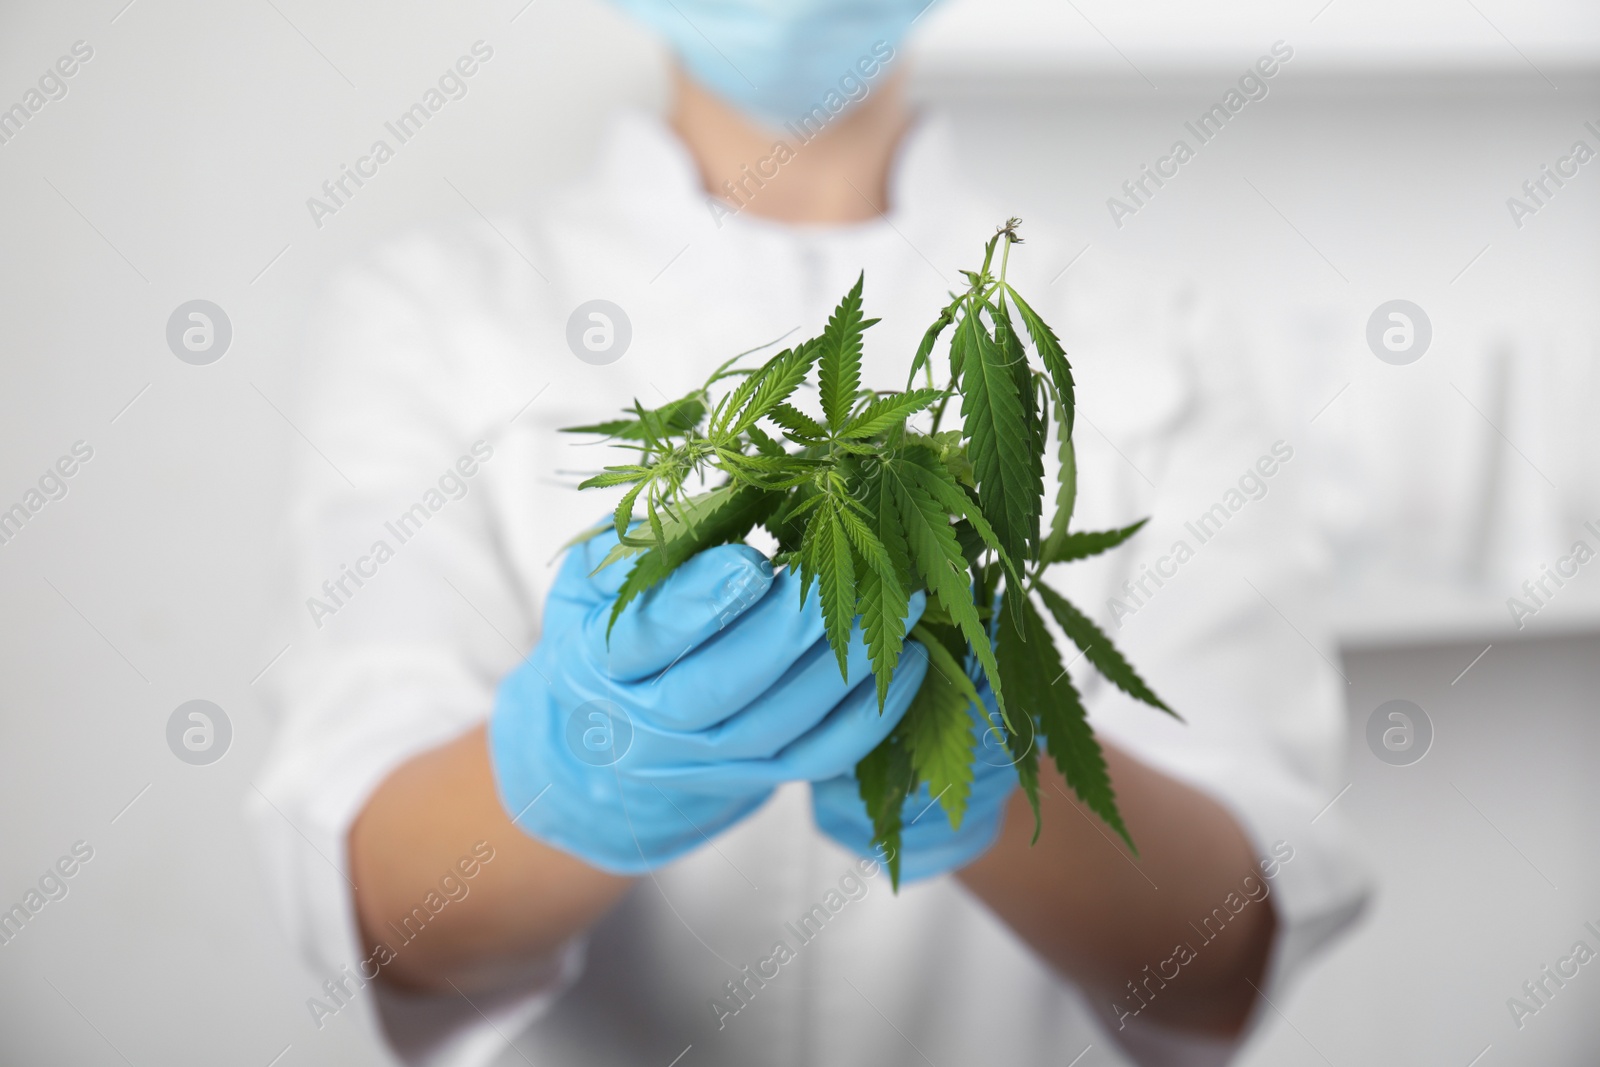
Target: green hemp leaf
(872,500)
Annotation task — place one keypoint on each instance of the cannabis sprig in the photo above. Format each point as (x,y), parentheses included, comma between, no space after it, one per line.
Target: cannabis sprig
(872,500)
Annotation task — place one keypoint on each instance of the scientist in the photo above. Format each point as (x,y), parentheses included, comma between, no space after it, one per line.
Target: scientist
(445,843)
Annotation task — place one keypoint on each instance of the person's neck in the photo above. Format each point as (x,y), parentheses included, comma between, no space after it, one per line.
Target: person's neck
(839,175)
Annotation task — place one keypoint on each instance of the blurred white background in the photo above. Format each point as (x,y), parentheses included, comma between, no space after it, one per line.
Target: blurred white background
(177,167)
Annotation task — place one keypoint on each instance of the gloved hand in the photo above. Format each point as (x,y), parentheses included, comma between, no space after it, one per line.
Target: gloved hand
(714,687)
(928,844)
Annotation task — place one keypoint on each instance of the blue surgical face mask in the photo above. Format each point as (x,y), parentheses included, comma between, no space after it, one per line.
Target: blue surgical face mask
(780,60)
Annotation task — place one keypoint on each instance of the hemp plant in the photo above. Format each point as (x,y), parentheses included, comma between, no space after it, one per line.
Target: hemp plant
(871,498)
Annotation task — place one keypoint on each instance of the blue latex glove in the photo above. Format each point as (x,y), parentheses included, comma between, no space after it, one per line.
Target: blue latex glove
(928,845)
(714,687)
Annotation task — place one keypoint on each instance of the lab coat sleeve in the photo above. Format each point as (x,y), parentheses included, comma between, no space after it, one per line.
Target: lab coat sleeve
(1219,613)
(407,612)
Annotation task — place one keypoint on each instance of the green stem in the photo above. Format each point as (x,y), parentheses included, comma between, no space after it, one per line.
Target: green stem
(988,257)
(1005,259)
(938,414)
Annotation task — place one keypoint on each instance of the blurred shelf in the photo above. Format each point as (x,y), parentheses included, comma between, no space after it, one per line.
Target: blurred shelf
(1416,30)
(1387,613)
(1097,48)
(939,78)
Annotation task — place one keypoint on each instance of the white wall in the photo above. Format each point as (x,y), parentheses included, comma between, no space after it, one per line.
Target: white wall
(178,166)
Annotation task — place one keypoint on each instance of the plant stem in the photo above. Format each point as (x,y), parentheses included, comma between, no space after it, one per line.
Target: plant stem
(1005,258)
(938,414)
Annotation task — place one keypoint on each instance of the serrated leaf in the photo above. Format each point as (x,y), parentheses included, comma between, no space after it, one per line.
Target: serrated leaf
(658,425)
(1054,358)
(1001,456)
(826,557)
(936,555)
(891,531)
(797,422)
(613,476)
(657,529)
(1023,747)
(780,464)
(679,525)
(676,417)
(885,778)
(784,521)
(972,543)
(930,338)
(885,603)
(1016,357)
(764,443)
(622,517)
(726,368)
(1098,649)
(1067,483)
(839,369)
(885,412)
(768,387)
(1028,389)
(611,428)
(1078,756)
(730,406)
(732,521)
(863,538)
(1031,656)
(1085,543)
(1020,668)
(884,597)
(961,343)
(939,733)
(936,478)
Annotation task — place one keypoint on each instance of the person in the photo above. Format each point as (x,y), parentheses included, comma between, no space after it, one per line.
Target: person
(444,842)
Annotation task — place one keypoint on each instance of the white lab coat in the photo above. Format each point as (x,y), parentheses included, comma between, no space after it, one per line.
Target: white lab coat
(443,340)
